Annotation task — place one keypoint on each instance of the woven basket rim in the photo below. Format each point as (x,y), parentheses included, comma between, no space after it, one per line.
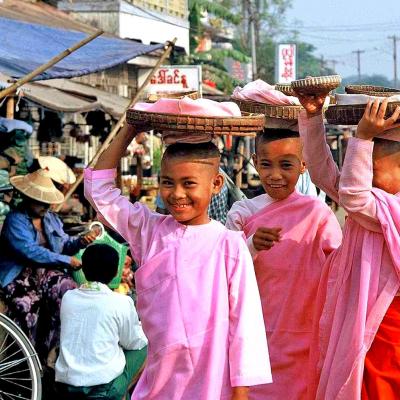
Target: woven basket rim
(371,90)
(317,80)
(170,115)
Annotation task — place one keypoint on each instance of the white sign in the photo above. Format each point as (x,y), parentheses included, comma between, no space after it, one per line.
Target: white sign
(173,78)
(286,63)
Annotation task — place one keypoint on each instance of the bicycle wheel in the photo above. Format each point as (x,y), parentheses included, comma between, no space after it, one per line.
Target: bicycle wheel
(20,370)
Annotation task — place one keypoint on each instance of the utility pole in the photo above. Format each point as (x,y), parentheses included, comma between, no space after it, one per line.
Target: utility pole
(359,52)
(253,40)
(394,38)
(333,62)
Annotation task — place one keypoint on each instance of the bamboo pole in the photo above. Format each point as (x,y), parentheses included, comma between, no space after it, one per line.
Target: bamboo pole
(44,67)
(167,50)
(10,108)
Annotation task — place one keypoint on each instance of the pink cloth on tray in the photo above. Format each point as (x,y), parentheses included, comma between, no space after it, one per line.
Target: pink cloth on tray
(263,93)
(361,278)
(197,300)
(188,106)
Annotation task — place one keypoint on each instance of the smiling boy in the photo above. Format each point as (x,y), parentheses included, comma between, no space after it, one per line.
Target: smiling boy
(289,235)
(197,291)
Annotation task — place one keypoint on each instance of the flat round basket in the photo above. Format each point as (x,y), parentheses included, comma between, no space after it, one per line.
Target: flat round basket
(351,114)
(316,84)
(153,97)
(379,91)
(269,110)
(285,88)
(246,125)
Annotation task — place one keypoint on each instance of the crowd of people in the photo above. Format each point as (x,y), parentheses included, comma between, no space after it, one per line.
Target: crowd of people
(280,303)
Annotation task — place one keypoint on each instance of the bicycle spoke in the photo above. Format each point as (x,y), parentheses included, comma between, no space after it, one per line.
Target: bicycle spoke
(12,364)
(3,343)
(18,384)
(12,355)
(16,372)
(14,396)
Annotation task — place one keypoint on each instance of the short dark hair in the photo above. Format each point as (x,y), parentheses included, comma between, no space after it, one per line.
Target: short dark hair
(269,135)
(204,150)
(387,146)
(100,263)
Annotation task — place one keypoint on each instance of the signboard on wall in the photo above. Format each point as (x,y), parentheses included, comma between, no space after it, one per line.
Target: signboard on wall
(172,78)
(286,63)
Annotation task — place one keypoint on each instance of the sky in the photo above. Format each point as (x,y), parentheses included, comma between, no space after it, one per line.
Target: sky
(339,27)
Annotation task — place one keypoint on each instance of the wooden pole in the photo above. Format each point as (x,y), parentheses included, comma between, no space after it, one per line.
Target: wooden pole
(10,108)
(167,50)
(42,68)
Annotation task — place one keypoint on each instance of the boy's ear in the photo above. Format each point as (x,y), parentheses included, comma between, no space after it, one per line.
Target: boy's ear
(303,167)
(218,182)
(254,158)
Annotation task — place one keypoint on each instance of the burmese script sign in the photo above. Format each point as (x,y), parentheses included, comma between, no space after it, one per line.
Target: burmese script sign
(286,63)
(173,78)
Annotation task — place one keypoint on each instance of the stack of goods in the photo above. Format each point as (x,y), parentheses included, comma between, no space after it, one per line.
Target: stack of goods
(349,107)
(194,121)
(280,108)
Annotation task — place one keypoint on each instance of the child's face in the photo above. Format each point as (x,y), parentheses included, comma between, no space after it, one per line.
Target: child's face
(386,171)
(186,189)
(279,164)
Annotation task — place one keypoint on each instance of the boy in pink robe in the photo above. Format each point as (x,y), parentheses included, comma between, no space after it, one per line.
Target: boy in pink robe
(289,235)
(197,292)
(361,278)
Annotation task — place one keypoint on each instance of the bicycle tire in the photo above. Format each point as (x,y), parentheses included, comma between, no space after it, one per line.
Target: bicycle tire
(30,360)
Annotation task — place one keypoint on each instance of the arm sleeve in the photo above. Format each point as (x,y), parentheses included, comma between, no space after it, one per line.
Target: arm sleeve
(235,221)
(355,188)
(25,247)
(131,333)
(134,222)
(319,161)
(248,350)
(330,233)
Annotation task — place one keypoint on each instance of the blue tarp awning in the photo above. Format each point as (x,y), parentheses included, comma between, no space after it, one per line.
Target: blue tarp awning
(24,47)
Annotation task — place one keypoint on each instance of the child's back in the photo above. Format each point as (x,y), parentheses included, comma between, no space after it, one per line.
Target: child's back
(97,324)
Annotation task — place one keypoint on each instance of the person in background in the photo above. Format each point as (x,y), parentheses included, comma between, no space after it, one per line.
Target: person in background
(36,259)
(102,345)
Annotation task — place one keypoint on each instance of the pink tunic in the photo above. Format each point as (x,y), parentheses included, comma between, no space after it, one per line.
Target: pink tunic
(197,299)
(288,276)
(361,278)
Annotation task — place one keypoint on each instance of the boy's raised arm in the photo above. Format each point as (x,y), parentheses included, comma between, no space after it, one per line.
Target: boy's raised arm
(319,161)
(355,188)
(134,222)
(110,158)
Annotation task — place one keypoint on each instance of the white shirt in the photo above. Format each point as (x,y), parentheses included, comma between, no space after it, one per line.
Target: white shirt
(96,325)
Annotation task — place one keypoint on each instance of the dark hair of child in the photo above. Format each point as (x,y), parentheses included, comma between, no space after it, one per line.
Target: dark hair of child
(270,135)
(388,147)
(100,263)
(201,151)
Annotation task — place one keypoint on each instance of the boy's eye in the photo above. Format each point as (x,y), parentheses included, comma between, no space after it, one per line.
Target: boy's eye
(287,165)
(265,164)
(189,183)
(166,182)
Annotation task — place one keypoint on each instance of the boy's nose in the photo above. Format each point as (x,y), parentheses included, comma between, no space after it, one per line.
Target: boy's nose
(179,193)
(275,174)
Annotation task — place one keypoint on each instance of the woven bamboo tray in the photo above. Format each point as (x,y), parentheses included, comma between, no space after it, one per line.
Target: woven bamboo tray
(285,88)
(246,125)
(351,114)
(379,91)
(153,97)
(317,84)
(269,110)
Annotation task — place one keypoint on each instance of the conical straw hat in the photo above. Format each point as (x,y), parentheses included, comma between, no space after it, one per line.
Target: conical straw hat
(58,170)
(38,186)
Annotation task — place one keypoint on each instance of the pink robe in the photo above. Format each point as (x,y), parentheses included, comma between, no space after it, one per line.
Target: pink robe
(288,276)
(197,299)
(361,278)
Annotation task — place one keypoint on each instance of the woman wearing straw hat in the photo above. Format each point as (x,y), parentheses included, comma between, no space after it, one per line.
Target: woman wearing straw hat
(36,255)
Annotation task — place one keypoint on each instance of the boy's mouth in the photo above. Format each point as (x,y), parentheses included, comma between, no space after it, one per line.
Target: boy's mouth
(276,186)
